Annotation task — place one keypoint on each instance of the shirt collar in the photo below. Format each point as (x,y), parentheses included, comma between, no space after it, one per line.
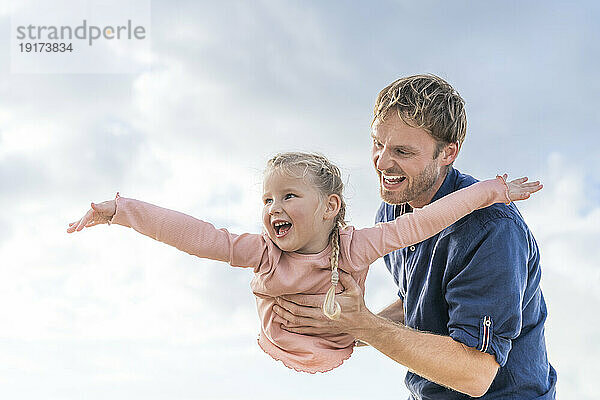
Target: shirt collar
(448,186)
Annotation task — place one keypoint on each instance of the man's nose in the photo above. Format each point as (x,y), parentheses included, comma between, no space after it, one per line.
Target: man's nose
(383,160)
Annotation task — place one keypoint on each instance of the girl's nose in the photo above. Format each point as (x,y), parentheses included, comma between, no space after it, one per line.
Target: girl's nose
(275,208)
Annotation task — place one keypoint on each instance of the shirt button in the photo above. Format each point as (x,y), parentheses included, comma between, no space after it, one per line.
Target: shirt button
(412,248)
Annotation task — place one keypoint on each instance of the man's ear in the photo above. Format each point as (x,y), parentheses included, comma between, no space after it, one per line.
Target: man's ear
(449,153)
(332,206)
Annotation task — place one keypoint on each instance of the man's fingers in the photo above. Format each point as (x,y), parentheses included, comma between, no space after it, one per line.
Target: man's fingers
(288,316)
(348,281)
(303,330)
(307,300)
(298,310)
(316,300)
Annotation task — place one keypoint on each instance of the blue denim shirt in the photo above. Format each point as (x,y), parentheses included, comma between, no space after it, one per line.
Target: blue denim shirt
(477,281)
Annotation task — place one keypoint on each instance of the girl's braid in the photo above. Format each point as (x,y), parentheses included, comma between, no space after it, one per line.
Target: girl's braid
(331,308)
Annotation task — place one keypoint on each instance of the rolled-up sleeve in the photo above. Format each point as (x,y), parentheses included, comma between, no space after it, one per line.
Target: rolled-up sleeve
(485,291)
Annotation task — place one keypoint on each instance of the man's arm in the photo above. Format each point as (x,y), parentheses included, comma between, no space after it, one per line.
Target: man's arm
(437,358)
(394,312)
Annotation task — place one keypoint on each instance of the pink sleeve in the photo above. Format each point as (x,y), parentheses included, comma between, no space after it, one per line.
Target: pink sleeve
(189,234)
(422,223)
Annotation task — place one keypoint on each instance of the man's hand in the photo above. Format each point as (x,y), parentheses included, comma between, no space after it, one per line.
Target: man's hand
(303,313)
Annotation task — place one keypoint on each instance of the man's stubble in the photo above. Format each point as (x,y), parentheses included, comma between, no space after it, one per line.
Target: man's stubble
(416,187)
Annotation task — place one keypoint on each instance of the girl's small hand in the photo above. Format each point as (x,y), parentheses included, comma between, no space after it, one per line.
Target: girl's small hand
(100,213)
(520,189)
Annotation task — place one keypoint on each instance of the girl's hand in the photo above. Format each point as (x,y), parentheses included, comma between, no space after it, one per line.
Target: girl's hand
(520,189)
(100,213)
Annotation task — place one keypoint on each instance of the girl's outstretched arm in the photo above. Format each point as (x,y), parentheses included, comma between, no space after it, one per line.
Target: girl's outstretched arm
(194,236)
(100,213)
(425,222)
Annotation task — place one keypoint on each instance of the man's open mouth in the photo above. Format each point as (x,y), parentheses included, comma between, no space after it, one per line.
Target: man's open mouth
(281,228)
(392,182)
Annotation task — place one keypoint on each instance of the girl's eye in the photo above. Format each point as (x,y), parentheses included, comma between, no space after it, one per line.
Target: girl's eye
(267,201)
(289,196)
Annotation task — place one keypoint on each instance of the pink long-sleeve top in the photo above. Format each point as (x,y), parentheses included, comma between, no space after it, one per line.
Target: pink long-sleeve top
(278,272)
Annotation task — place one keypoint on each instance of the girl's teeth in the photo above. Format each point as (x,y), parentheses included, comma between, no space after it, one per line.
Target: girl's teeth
(282,227)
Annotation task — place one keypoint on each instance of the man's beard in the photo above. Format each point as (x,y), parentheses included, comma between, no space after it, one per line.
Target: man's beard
(414,188)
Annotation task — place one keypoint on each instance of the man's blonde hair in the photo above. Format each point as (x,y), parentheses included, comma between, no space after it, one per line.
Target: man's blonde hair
(427,102)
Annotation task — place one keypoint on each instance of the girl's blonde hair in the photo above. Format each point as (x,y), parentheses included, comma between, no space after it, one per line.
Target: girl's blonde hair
(326,177)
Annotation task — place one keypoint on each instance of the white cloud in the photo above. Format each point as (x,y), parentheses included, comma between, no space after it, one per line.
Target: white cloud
(565,219)
(8,7)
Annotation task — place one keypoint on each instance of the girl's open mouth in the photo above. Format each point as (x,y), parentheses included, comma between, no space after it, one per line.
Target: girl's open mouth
(281,228)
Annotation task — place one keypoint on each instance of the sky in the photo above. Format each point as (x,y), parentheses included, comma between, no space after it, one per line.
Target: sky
(221,87)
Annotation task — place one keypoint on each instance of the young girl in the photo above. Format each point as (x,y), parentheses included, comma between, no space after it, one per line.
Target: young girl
(305,241)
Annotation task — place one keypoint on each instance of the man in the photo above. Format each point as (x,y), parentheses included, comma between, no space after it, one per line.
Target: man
(470,316)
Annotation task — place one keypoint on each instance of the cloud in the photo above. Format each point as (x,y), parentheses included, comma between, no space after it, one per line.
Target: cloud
(9,7)
(566,221)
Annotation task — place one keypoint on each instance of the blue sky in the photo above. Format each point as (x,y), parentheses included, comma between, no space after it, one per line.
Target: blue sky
(107,313)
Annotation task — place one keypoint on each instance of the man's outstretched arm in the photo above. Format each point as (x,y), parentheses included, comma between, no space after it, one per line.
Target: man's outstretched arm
(437,358)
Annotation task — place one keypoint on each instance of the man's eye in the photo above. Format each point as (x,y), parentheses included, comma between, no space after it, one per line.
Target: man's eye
(376,143)
(402,152)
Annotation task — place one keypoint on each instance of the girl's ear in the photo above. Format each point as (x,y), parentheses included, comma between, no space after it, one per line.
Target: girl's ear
(332,206)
